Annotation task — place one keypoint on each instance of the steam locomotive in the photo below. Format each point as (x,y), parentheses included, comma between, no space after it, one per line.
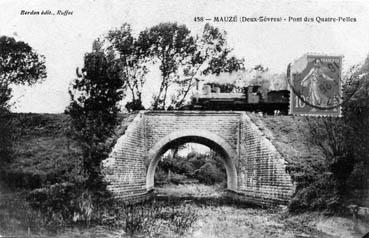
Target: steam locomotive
(253,98)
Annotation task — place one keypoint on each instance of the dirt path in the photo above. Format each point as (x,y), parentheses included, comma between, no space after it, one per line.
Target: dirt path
(221,221)
(250,222)
(228,221)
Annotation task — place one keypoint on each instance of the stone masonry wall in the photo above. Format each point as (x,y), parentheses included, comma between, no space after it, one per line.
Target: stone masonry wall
(262,173)
(125,170)
(160,124)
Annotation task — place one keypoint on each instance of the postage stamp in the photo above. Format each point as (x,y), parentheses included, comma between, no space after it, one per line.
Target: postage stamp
(315,85)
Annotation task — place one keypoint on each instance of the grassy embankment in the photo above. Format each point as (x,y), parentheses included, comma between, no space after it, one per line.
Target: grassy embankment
(44,155)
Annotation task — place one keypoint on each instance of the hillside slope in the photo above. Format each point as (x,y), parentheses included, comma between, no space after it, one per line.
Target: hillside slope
(45,154)
(290,135)
(43,150)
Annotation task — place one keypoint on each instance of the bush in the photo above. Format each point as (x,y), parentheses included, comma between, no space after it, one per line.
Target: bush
(17,217)
(161,177)
(59,206)
(70,202)
(209,174)
(206,168)
(57,197)
(93,111)
(320,194)
(177,178)
(328,184)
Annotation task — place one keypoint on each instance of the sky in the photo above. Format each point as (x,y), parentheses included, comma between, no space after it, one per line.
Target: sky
(65,39)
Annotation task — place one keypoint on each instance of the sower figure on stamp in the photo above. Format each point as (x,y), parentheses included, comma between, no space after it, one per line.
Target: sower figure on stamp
(311,80)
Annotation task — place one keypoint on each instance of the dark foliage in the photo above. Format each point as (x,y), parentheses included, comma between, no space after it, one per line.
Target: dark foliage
(206,168)
(333,183)
(58,199)
(130,58)
(19,64)
(6,145)
(210,173)
(356,118)
(41,151)
(94,111)
(5,138)
(135,105)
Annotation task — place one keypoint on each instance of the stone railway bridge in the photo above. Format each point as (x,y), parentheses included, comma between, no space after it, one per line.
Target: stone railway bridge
(256,171)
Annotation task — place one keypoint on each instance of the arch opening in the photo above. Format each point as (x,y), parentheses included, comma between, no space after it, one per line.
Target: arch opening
(212,141)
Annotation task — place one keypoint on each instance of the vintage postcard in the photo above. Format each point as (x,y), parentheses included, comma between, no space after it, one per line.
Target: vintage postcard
(184,118)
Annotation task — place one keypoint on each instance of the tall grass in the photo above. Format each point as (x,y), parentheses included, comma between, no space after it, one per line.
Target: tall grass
(150,217)
(154,217)
(17,217)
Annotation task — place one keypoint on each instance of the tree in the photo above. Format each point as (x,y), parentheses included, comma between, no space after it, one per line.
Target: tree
(131,62)
(93,109)
(212,56)
(19,64)
(170,44)
(183,58)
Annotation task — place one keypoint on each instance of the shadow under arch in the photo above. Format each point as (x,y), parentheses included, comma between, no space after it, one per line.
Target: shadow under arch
(203,137)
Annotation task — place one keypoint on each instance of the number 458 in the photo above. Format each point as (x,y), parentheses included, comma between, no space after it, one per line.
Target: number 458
(198,19)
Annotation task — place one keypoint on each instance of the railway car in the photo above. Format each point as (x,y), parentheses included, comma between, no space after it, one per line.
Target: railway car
(253,98)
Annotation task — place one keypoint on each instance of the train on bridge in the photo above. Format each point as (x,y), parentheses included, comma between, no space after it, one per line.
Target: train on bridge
(253,98)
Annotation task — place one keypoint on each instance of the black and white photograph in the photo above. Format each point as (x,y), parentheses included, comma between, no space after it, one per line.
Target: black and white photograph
(184,118)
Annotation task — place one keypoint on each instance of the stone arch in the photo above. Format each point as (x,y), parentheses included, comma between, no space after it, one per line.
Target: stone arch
(198,136)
